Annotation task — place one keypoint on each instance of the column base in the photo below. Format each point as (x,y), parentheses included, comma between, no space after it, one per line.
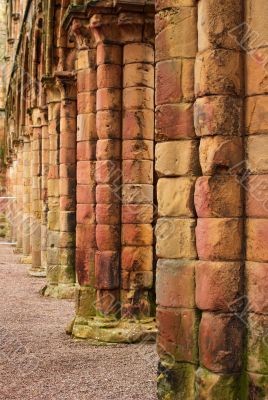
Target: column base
(66,292)
(26,260)
(38,272)
(101,331)
(17,250)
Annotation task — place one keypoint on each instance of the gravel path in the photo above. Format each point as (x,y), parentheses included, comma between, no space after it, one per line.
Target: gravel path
(39,361)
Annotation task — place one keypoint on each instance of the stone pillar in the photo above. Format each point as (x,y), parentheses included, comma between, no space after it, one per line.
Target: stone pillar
(26,243)
(14,203)
(219,199)
(67,184)
(108,177)
(122,309)
(44,189)
(86,187)
(53,215)
(137,172)
(36,269)
(177,166)
(255,314)
(19,196)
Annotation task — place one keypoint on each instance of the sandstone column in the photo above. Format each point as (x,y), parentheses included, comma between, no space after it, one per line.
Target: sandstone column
(177,165)
(67,184)
(53,215)
(108,165)
(219,199)
(137,169)
(26,244)
(86,186)
(36,269)
(255,314)
(44,197)
(19,196)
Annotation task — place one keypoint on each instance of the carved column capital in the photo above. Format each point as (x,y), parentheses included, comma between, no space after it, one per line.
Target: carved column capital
(66,83)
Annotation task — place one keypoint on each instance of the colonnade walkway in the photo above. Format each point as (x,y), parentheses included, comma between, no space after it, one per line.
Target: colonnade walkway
(39,361)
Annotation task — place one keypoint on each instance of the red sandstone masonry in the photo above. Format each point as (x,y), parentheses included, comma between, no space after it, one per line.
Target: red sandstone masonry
(177,166)
(256,197)
(218,197)
(108,169)
(86,185)
(137,168)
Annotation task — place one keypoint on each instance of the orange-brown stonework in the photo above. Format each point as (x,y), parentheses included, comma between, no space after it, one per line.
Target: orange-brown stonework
(135,147)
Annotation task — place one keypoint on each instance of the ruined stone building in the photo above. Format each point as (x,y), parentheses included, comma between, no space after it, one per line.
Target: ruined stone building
(136,150)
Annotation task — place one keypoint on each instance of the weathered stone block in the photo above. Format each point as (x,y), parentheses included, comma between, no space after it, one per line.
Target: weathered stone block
(219,286)
(108,149)
(257,74)
(137,194)
(257,360)
(218,72)
(221,343)
(257,287)
(177,158)
(174,81)
(137,171)
(107,194)
(218,115)
(109,54)
(138,74)
(108,99)
(108,214)
(257,33)
(257,239)
(107,237)
(170,26)
(87,80)
(219,154)
(177,334)
(136,280)
(86,172)
(109,76)
(108,171)
(86,127)
(85,236)
(257,196)
(257,150)
(174,121)
(217,24)
(175,238)
(86,102)
(138,52)
(108,124)
(107,270)
(86,214)
(85,266)
(86,151)
(176,381)
(218,196)
(137,258)
(138,124)
(210,386)
(137,235)
(176,197)
(175,285)
(138,98)
(86,194)
(137,214)
(219,238)
(138,150)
